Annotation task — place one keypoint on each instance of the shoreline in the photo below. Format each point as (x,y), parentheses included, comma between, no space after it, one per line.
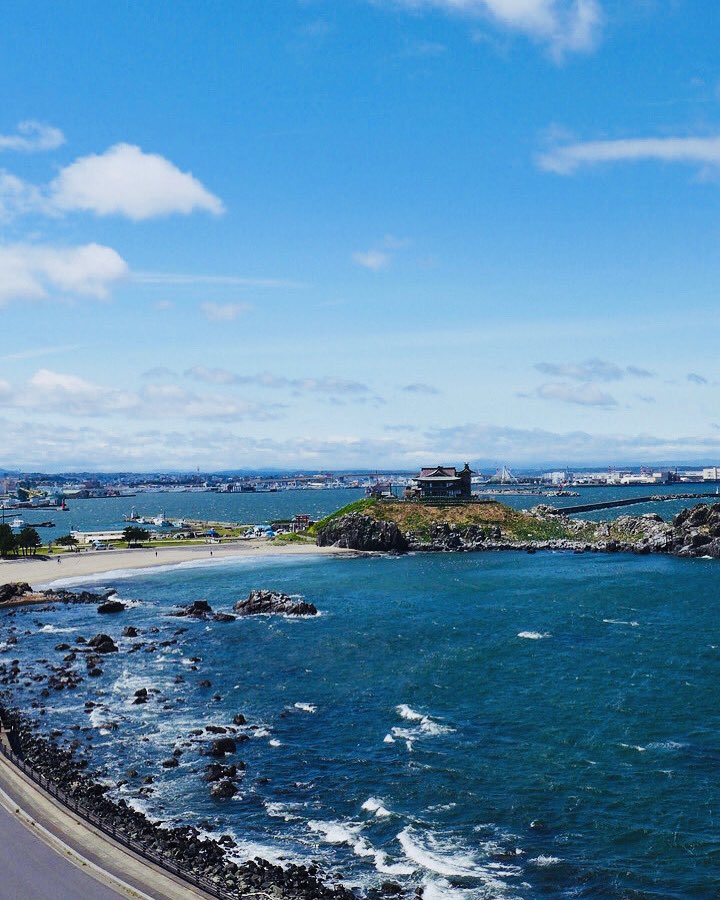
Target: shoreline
(39,571)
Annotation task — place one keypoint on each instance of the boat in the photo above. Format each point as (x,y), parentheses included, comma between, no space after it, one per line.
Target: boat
(161,521)
(17,522)
(133,517)
(44,525)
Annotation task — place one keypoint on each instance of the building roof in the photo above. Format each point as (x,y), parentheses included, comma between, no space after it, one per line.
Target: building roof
(439,472)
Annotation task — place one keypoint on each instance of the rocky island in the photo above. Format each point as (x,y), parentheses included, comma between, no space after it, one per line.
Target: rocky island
(400,527)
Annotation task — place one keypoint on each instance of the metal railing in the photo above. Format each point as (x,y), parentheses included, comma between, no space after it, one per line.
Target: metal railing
(192,878)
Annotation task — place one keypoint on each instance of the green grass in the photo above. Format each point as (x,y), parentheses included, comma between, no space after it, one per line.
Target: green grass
(359,506)
(292,537)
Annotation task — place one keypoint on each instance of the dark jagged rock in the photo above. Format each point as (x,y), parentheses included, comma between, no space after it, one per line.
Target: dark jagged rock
(111,606)
(216,771)
(130,631)
(13,591)
(223,790)
(358,532)
(265,603)
(103,643)
(223,617)
(200,609)
(239,719)
(222,746)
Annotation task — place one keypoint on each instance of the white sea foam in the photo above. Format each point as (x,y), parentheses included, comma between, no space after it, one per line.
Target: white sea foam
(388,739)
(637,747)
(348,833)
(621,622)
(406,712)
(373,805)
(306,707)
(666,746)
(443,857)
(424,726)
(544,861)
(274,742)
(53,629)
(281,811)
(534,635)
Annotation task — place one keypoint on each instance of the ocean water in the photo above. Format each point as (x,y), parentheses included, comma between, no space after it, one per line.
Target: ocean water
(492,725)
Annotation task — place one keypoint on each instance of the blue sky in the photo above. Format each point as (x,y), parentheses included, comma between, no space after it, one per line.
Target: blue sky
(360,233)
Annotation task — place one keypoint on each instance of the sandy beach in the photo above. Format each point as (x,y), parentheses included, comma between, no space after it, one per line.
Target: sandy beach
(38,571)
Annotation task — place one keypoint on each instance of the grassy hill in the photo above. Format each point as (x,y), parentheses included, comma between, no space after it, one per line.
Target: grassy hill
(515,525)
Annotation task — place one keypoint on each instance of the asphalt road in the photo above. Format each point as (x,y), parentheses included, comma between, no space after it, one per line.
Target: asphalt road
(30,870)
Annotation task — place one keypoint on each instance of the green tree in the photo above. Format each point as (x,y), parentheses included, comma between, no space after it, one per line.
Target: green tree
(28,540)
(66,540)
(134,535)
(8,541)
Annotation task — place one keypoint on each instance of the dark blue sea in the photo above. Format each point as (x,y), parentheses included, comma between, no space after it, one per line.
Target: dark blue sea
(486,725)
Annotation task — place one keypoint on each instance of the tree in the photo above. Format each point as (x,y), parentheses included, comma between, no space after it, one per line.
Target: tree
(8,541)
(66,540)
(28,540)
(134,535)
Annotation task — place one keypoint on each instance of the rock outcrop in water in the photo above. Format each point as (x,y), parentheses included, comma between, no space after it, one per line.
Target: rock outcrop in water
(267,603)
(692,533)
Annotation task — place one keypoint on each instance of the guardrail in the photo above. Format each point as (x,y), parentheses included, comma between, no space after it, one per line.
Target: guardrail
(193,879)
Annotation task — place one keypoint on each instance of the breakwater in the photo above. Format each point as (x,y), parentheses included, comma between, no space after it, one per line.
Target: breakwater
(626,501)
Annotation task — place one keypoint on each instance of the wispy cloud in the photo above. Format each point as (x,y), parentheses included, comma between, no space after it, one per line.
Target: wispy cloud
(568,158)
(592,370)
(563,26)
(696,379)
(580,395)
(323,384)
(38,352)
(224,312)
(64,394)
(176,279)
(418,387)
(32,137)
(374,260)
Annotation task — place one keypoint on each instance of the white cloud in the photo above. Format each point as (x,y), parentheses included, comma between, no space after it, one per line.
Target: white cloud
(65,395)
(128,182)
(374,260)
(224,312)
(18,197)
(584,395)
(567,159)
(562,25)
(33,271)
(32,136)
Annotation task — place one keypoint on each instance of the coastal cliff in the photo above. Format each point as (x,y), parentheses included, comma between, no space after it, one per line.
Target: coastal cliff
(400,527)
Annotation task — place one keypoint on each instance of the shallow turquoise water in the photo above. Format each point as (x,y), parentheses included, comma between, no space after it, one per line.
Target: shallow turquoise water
(525,726)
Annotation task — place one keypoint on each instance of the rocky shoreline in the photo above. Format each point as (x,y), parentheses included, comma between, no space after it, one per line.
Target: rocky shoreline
(182,846)
(68,766)
(692,533)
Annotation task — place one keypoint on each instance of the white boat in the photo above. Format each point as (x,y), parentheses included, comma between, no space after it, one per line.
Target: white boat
(161,521)
(17,522)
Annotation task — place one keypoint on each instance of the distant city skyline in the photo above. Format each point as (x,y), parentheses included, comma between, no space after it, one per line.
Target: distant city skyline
(371,234)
